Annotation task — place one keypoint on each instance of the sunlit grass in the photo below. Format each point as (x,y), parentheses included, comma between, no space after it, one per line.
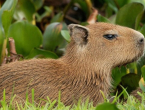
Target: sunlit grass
(131,104)
(50,105)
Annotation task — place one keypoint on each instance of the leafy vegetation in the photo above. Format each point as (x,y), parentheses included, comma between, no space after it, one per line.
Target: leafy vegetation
(40,31)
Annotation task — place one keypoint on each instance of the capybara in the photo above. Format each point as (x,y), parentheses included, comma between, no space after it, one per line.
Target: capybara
(81,72)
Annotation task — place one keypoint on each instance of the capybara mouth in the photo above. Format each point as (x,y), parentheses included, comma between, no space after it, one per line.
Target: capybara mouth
(125,64)
(133,60)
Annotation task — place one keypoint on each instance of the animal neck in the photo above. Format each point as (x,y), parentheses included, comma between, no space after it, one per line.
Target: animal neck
(86,71)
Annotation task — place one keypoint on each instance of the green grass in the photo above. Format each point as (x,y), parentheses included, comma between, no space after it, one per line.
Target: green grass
(131,104)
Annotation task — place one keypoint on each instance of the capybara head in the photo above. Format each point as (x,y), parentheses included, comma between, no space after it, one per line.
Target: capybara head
(106,44)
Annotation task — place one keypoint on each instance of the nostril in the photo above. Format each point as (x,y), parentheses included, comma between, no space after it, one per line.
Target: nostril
(141,40)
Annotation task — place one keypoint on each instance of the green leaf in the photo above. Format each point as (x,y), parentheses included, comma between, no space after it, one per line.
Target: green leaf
(41,53)
(27,8)
(5,21)
(1,44)
(112,5)
(47,12)
(122,2)
(57,18)
(65,35)
(143,72)
(130,15)
(132,67)
(142,84)
(143,30)
(100,18)
(84,23)
(130,81)
(112,19)
(26,36)
(139,1)
(19,14)
(6,14)
(52,38)
(7,5)
(109,11)
(106,106)
(37,3)
(117,74)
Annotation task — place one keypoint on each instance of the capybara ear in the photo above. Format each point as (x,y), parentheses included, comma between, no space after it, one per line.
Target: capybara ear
(78,33)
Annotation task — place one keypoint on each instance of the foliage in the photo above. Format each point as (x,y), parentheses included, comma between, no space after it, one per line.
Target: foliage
(131,104)
(40,31)
(5,12)
(106,105)
(23,34)
(131,13)
(53,34)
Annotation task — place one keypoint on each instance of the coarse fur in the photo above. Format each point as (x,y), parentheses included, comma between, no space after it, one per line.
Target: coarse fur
(82,72)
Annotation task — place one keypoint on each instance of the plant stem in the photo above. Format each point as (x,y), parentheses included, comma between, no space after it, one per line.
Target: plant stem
(89,3)
(12,49)
(68,7)
(4,50)
(72,19)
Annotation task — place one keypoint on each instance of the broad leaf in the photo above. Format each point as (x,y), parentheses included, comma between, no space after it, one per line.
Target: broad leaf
(65,35)
(106,106)
(47,12)
(5,21)
(130,15)
(143,30)
(52,38)
(102,19)
(112,5)
(26,36)
(139,1)
(57,18)
(84,23)
(39,53)
(143,72)
(132,67)
(27,8)
(37,3)
(122,2)
(142,84)
(6,13)
(117,74)
(130,81)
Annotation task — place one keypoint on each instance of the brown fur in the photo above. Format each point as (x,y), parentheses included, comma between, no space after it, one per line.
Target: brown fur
(82,72)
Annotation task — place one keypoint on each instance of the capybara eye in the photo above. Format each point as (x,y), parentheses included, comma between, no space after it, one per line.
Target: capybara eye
(110,36)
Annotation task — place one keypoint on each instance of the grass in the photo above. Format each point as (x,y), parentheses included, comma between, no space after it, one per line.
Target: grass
(130,104)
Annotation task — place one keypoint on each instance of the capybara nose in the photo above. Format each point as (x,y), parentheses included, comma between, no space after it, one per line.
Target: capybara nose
(141,40)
